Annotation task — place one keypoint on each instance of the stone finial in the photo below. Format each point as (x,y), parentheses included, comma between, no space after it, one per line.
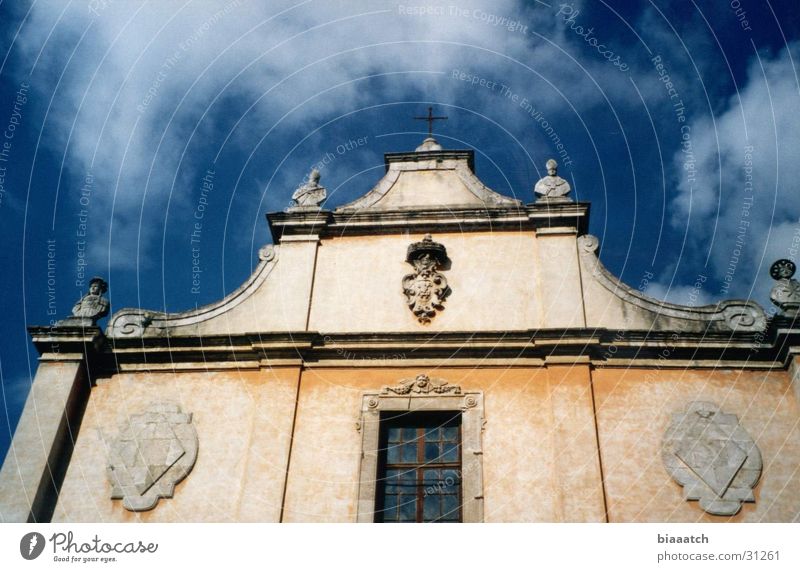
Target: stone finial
(91,307)
(786,292)
(552,186)
(310,193)
(429,144)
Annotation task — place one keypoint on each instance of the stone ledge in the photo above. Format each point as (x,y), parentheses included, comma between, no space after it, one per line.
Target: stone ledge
(600,347)
(566,217)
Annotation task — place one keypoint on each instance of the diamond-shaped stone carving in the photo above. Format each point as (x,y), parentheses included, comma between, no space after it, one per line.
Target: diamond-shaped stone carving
(153,452)
(713,457)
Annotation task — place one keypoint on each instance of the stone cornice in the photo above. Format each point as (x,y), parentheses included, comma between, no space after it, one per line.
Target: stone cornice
(600,347)
(66,340)
(431,220)
(467,155)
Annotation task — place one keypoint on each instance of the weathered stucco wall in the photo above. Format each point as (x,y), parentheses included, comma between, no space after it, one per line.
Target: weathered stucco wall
(437,187)
(358,283)
(539,442)
(281,302)
(558,275)
(634,408)
(243,422)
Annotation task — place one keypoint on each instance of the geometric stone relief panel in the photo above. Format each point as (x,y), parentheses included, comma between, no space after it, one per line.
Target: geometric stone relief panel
(154,451)
(711,455)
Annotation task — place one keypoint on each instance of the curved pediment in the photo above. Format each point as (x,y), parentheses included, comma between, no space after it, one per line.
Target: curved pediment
(610,303)
(429,179)
(137,322)
(348,271)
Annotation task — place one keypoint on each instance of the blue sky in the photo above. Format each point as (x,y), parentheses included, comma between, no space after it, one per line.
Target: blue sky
(679,121)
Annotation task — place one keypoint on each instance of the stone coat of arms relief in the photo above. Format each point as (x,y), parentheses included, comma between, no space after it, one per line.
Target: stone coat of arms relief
(426,288)
(711,455)
(153,452)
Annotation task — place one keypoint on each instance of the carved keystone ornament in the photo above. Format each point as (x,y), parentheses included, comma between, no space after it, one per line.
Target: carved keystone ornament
(422,385)
(153,452)
(713,457)
(426,288)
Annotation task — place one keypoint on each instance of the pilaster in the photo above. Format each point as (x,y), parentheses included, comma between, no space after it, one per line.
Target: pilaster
(34,467)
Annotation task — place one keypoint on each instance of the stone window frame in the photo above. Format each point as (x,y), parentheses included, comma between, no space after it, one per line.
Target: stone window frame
(469,403)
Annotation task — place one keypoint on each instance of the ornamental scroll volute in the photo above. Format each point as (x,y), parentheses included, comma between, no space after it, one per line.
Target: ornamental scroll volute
(426,288)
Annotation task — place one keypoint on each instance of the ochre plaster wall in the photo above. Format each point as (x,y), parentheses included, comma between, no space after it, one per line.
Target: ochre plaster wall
(559,279)
(540,456)
(492,278)
(280,304)
(539,442)
(243,421)
(635,408)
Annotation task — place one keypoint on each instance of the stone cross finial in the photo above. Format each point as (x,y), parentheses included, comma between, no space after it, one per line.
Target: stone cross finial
(430,118)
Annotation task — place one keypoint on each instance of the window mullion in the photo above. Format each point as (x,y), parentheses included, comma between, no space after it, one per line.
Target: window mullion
(420,470)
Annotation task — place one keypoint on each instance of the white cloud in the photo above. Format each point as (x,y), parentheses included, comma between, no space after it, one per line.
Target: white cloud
(145,77)
(746,229)
(693,295)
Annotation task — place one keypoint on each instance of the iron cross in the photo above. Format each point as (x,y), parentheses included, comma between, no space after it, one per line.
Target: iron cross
(430,118)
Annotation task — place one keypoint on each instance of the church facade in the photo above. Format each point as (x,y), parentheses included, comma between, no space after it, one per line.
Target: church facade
(432,351)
